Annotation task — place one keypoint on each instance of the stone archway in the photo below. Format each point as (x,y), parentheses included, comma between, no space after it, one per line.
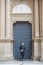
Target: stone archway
(23,17)
(35,29)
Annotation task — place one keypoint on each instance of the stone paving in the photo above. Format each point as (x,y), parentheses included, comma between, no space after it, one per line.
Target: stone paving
(21,63)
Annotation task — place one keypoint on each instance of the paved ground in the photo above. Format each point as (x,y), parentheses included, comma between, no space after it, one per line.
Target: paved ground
(21,63)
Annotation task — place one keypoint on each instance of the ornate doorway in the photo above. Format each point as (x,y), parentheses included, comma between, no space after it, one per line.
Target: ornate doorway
(22,32)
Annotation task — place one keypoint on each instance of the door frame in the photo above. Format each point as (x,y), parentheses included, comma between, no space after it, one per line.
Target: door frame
(24,19)
(24,23)
(32,42)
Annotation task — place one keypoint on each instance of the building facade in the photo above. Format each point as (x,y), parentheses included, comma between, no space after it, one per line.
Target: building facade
(8,19)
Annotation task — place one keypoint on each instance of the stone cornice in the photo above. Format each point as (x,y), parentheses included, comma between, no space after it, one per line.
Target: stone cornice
(36,39)
(6,40)
(41,38)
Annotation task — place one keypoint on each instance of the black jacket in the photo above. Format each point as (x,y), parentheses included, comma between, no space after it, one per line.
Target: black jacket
(22,48)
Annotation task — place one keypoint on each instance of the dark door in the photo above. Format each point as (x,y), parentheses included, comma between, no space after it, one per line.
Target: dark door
(22,32)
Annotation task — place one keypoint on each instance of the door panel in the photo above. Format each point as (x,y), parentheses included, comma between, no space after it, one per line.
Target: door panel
(22,32)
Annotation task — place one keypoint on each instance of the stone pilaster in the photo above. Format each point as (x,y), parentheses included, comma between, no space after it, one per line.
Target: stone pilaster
(2,22)
(36,19)
(8,52)
(0,15)
(36,39)
(42,35)
(2,27)
(8,20)
(36,49)
(41,49)
(42,18)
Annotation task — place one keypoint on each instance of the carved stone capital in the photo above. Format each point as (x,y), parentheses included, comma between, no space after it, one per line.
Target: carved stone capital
(37,39)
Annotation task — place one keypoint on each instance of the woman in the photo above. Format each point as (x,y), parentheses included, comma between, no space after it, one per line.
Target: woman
(22,50)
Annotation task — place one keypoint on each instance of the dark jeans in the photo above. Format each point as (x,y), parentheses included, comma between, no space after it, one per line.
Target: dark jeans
(22,54)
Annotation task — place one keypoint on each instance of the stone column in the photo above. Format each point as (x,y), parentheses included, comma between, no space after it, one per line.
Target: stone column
(2,28)
(8,21)
(36,39)
(2,22)
(9,43)
(0,16)
(36,19)
(42,35)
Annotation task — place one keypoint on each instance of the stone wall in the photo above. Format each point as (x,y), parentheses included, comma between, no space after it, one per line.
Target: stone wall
(6,29)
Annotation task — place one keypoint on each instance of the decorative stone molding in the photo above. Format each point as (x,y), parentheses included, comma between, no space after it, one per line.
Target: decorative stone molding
(15,2)
(37,39)
(21,17)
(42,39)
(6,40)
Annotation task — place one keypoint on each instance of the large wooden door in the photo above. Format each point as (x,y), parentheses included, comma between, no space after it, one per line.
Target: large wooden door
(22,32)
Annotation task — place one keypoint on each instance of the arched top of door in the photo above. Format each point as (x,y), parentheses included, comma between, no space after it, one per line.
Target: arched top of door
(21,8)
